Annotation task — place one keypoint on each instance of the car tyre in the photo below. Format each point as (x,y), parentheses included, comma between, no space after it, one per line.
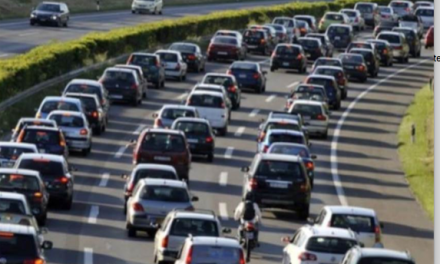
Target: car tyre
(42,220)
(272,69)
(151,233)
(131,232)
(31,23)
(210,157)
(223,131)
(68,203)
(344,94)
(66,24)
(133,11)
(304,212)
(325,135)
(97,130)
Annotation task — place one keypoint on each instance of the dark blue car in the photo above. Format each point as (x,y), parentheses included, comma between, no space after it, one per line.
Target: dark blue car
(249,75)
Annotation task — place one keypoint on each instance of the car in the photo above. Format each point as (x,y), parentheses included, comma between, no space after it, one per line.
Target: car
(315,114)
(24,220)
(48,140)
(13,202)
(414,22)
(163,146)
(278,181)
(30,121)
(307,92)
(271,34)
(311,244)
(147,6)
(291,26)
(230,33)
(84,86)
(426,15)
(191,54)
(56,174)
(429,39)
(214,88)
(152,67)
(294,149)
(358,255)
(279,123)
(52,13)
(323,61)
(384,26)
(332,18)
(123,85)
(229,83)
(340,35)
(76,130)
(97,116)
(226,48)
(199,135)
(413,40)
(11,151)
(178,225)
(30,184)
(373,62)
(289,56)
(282,134)
(212,107)
(52,103)
(325,41)
(312,47)
(354,66)
(331,87)
(387,14)
(355,18)
(249,75)
(401,7)
(418,4)
(363,221)
(361,45)
(384,50)
(304,28)
(202,249)
(21,243)
(152,200)
(370,13)
(310,20)
(281,32)
(143,171)
(258,41)
(398,42)
(140,76)
(338,73)
(165,117)
(175,66)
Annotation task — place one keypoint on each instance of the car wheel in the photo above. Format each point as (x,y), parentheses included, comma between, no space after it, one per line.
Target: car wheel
(133,11)
(131,232)
(65,24)
(154,12)
(210,157)
(42,221)
(304,212)
(344,94)
(68,203)
(184,77)
(163,84)
(224,131)
(97,131)
(160,12)
(325,135)
(272,69)
(31,23)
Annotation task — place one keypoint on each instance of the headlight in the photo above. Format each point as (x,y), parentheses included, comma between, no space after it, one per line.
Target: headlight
(54,17)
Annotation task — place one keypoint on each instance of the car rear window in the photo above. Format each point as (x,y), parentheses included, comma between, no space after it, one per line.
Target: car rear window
(327,71)
(335,30)
(305,19)
(287,50)
(68,121)
(119,77)
(364,8)
(193,128)
(282,125)
(215,254)
(244,66)
(328,62)
(312,43)
(331,245)
(84,88)
(328,84)
(334,17)
(171,113)
(283,170)
(379,44)
(290,150)
(285,137)
(12,153)
(12,206)
(253,34)
(219,80)
(142,60)
(88,102)
(317,95)
(351,58)
(368,55)
(350,13)
(50,106)
(41,137)
(357,223)
(206,100)
(165,194)
(153,174)
(183,48)
(307,110)
(284,22)
(390,38)
(384,9)
(168,57)
(379,260)
(163,142)
(45,167)
(227,34)
(17,245)
(399,4)
(196,227)
(225,41)
(18,182)
(425,12)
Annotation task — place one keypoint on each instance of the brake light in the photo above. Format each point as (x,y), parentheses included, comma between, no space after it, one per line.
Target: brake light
(377,232)
(360,68)
(310,165)
(177,67)
(232,88)
(263,41)
(137,207)
(34,261)
(253,184)
(303,187)
(83,132)
(191,57)
(242,261)
(250,226)
(158,122)
(38,195)
(261,137)
(304,256)
(256,76)
(134,86)
(38,115)
(164,242)
(223,105)
(189,256)
(398,48)
(95,114)
(6,234)
(62,180)
(130,188)
(299,57)
(385,51)
(209,140)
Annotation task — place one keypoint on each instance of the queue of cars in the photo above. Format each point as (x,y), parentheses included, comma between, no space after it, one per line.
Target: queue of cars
(157,198)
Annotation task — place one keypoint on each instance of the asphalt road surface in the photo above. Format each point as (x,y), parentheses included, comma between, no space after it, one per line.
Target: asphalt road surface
(360,157)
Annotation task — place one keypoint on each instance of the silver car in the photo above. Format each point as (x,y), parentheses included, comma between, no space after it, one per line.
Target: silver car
(315,114)
(426,15)
(10,152)
(166,116)
(75,128)
(152,200)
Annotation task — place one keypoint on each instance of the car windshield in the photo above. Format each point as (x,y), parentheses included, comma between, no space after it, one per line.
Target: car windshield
(49,8)
(84,88)
(143,60)
(12,206)
(335,17)
(218,80)
(328,62)
(365,8)
(168,57)
(171,113)
(41,137)
(17,245)
(50,106)
(193,128)
(163,142)
(215,254)
(383,260)
(285,22)
(357,223)
(88,102)
(284,170)
(312,43)
(18,182)
(390,38)
(206,100)
(153,174)
(351,58)
(119,77)
(282,125)
(425,12)
(287,50)
(332,245)
(307,110)
(286,137)
(254,34)
(196,227)
(183,48)
(12,152)
(290,150)
(43,166)
(165,194)
(225,41)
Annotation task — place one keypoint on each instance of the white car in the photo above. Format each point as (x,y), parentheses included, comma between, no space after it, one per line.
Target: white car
(363,221)
(387,14)
(10,152)
(399,44)
(168,113)
(214,88)
(358,255)
(52,103)
(147,6)
(426,15)
(355,18)
(211,106)
(174,65)
(14,203)
(314,245)
(402,8)
(314,113)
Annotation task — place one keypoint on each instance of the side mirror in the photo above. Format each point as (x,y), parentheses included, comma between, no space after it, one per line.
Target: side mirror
(261,126)
(245,169)
(44,230)
(306,123)
(13,130)
(98,77)
(313,156)
(47,245)
(285,239)
(309,144)
(361,244)
(124,176)
(226,230)
(133,142)
(194,199)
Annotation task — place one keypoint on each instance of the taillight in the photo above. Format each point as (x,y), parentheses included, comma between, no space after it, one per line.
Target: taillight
(229,72)
(398,48)
(191,57)
(262,41)
(253,184)
(341,81)
(265,148)
(407,9)
(164,242)
(37,196)
(62,141)
(242,261)
(310,165)
(250,226)
(303,187)
(137,207)
(232,88)
(299,57)
(134,86)
(256,76)
(377,233)
(223,105)
(209,48)
(20,136)
(360,68)
(34,261)
(83,132)
(261,137)
(158,122)
(130,188)
(177,66)
(62,180)
(95,114)
(209,140)
(304,256)
(189,256)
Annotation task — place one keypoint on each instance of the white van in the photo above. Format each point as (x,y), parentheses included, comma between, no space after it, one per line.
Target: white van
(147,6)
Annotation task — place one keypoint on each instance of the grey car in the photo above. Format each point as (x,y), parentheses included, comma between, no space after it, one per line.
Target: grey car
(50,13)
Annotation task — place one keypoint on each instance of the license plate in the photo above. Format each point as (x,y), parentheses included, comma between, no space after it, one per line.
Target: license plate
(279,185)
(306,118)
(252,47)
(337,38)
(349,67)
(116,96)
(193,140)
(309,55)
(222,53)
(160,158)
(242,75)
(285,64)
(250,235)
(42,151)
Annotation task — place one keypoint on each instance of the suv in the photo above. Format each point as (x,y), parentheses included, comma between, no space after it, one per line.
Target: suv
(10,152)
(165,117)
(52,103)
(340,35)
(191,54)
(51,13)
(47,139)
(315,114)
(288,56)
(229,83)
(354,66)
(257,40)
(331,87)
(358,255)
(279,181)
(122,85)
(370,13)
(164,146)
(312,47)
(82,86)
(152,67)
(399,44)
(30,121)
(415,45)
(178,225)
(227,48)
(325,41)
(139,74)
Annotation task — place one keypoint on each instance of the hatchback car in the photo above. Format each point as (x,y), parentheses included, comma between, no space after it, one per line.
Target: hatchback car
(315,114)
(52,103)
(281,32)
(290,24)
(358,255)
(14,203)
(311,92)
(271,34)
(75,128)
(175,66)
(229,83)
(355,18)
(338,73)
(325,41)
(123,85)
(370,13)
(384,26)
(304,28)
(83,86)
(340,35)
(152,200)
(230,33)
(249,75)
(354,66)
(398,42)
(152,67)
(414,22)
(226,48)
(143,83)
(279,181)
(414,42)
(387,14)
(10,152)
(289,56)
(165,117)
(191,54)
(28,121)
(331,87)
(50,13)
(310,20)
(312,47)
(323,61)
(56,174)
(331,18)
(401,7)
(214,88)
(163,146)
(384,50)
(282,134)
(47,139)
(373,62)
(258,40)
(30,184)
(198,134)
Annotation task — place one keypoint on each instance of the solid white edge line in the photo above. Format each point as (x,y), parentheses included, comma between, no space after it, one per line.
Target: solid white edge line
(93,216)
(223,211)
(239,131)
(334,145)
(292,84)
(120,152)
(254,113)
(104,179)
(223,181)
(4,55)
(88,255)
(228,152)
(270,98)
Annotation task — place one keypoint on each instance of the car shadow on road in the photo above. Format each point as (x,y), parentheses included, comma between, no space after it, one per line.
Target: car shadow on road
(396,229)
(213,187)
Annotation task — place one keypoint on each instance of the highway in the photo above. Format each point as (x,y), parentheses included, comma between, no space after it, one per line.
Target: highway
(359,158)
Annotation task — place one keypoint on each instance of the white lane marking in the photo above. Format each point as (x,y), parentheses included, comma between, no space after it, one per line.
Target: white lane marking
(88,255)
(27,34)
(93,216)
(334,146)
(254,113)
(120,152)
(104,179)
(182,96)
(263,61)
(239,131)
(228,152)
(138,130)
(270,98)
(223,181)
(292,84)
(223,211)
(4,55)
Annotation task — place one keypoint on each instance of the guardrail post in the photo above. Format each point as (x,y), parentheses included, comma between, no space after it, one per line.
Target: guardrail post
(97,5)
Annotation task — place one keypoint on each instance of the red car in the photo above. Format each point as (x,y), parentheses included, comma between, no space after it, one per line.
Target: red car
(429,40)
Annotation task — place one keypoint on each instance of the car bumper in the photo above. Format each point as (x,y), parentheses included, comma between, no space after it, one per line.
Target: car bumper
(202,149)
(166,255)
(222,55)
(123,97)
(294,64)
(369,21)
(281,201)
(399,54)
(356,74)
(145,222)
(317,129)
(216,124)
(58,194)
(78,143)
(169,73)
(143,9)
(47,21)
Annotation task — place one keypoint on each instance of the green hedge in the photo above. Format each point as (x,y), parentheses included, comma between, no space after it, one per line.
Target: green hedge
(48,61)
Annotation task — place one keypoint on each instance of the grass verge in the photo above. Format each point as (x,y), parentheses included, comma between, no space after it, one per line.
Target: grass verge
(418,158)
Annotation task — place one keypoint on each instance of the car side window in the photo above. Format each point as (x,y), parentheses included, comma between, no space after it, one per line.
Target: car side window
(165,223)
(320,219)
(136,189)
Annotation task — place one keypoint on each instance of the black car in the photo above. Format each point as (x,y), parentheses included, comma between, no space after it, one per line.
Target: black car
(50,13)
(340,35)
(384,50)
(48,140)
(415,45)
(249,75)
(152,67)
(334,93)
(385,26)
(122,85)
(289,56)
(354,66)
(191,54)
(143,83)
(31,186)
(312,47)
(257,40)
(229,83)
(373,63)
(325,41)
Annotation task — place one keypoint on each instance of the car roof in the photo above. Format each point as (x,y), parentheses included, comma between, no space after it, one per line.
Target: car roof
(330,59)
(85,81)
(120,70)
(64,112)
(207,85)
(212,93)
(12,195)
(228,31)
(215,241)
(226,37)
(82,95)
(128,66)
(165,131)
(194,214)
(329,67)
(163,182)
(290,45)
(288,144)
(307,102)
(17,229)
(285,131)
(425,7)
(340,25)
(51,157)
(20,171)
(351,54)
(278,157)
(378,40)
(32,119)
(361,49)
(144,54)
(390,33)
(18,145)
(277,119)
(192,119)
(51,2)
(144,166)
(338,209)
(321,76)
(382,252)
(330,232)
(168,51)
(53,129)
(310,38)
(62,98)
(218,74)
(176,106)
(304,16)
(184,44)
